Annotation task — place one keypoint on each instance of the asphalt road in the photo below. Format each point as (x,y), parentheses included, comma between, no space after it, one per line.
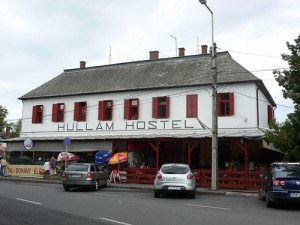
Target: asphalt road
(38,202)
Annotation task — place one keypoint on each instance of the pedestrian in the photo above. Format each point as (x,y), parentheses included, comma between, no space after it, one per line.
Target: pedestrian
(46,168)
(3,166)
(52,168)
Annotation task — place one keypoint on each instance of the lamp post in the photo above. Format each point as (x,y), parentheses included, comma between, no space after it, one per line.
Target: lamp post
(214,145)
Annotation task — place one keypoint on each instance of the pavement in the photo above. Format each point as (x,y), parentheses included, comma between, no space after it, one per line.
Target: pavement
(149,187)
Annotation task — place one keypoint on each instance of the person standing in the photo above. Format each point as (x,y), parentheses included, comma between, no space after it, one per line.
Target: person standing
(52,168)
(3,166)
(46,168)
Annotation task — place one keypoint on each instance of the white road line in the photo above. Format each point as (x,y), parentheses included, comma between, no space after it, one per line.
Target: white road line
(210,207)
(106,195)
(24,200)
(114,221)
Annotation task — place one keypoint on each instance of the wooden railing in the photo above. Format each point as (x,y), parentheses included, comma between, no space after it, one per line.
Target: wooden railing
(226,179)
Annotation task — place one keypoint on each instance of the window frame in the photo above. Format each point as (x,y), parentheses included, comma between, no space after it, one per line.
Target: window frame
(192,106)
(37,114)
(228,104)
(80,111)
(158,104)
(129,109)
(58,112)
(104,109)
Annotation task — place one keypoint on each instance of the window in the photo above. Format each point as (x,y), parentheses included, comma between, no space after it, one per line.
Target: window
(192,106)
(37,114)
(80,111)
(270,113)
(58,112)
(131,109)
(161,107)
(105,110)
(225,104)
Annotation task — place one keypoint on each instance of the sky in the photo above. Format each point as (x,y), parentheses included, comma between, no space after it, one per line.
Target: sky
(39,39)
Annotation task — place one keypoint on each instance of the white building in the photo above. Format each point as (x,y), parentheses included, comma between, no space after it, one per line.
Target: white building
(159,107)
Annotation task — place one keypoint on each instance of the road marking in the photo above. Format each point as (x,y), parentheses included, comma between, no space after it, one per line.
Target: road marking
(106,195)
(210,207)
(114,221)
(24,200)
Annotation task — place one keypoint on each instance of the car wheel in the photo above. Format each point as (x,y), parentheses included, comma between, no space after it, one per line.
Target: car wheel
(96,186)
(107,182)
(260,194)
(193,194)
(269,203)
(156,194)
(67,188)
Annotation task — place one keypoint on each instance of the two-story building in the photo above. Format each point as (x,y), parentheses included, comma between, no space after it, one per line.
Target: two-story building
(158,110)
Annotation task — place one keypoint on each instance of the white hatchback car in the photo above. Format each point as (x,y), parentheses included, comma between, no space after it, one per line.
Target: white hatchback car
(175,178)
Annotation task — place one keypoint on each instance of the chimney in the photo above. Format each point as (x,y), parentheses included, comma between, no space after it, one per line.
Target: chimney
(181,52)
(82,64)
(203,49)
(154,55)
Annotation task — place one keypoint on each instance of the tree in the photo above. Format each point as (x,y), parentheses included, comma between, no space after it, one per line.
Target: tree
(286,136)
(3,114)
(15,128)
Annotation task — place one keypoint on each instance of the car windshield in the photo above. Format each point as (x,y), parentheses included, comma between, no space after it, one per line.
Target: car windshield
(75,167)
(174,170)
(287,171)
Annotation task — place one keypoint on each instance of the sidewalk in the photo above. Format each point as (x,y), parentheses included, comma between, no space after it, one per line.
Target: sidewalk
(230,192)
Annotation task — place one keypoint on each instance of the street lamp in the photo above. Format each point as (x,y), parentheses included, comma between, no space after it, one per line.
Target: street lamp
(214,145)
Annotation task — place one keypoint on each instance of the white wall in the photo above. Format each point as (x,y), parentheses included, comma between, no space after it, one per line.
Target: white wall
(244,117)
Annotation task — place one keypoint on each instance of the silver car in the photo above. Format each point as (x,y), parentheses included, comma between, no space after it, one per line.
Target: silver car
(175,178)
(84,175)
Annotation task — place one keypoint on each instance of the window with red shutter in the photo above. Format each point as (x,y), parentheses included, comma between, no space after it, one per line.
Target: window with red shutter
(58,111)
(131,109)
(80,111)
(105,110)
(161,107)
(225,103)
(37,114)
(192,106)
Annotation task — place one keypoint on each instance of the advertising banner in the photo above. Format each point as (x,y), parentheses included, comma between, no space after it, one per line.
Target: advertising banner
(26,170)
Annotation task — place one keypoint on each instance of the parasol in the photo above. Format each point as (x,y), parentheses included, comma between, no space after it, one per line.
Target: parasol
(102,156)
(118,158)
(67,156)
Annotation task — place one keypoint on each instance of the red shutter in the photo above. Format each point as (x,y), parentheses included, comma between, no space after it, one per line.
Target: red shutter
(100,111)
(55,113)
(126,109)
(112,109)
(231,102)
(154,107)
(270,113)
(34,114)
(195,106)
(219,104)
(138,109)
(167,107)
(63,112)
(189,106)
(76,111)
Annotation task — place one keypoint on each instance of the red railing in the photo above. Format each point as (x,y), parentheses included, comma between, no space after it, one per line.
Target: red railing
(226,179)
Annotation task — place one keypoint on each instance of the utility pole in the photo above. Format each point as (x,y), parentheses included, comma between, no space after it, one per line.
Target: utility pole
(214,144)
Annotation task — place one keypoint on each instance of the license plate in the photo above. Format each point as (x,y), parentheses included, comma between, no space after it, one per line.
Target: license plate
(75,176)
(173,188)
(295,195)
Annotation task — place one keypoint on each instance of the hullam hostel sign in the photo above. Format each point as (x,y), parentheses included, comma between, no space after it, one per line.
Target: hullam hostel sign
(133,125)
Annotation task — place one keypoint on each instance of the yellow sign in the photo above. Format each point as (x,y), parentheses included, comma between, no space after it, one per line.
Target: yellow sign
(26,170)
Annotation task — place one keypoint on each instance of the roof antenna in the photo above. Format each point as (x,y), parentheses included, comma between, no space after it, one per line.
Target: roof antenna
(109,58)
(175,43)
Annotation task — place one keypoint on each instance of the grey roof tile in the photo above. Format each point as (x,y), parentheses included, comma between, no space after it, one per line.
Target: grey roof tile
(148,74)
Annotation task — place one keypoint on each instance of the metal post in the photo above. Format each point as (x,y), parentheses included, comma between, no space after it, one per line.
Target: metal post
(66,157)
(214,146)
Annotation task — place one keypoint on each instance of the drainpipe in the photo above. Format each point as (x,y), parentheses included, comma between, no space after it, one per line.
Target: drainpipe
(257,109)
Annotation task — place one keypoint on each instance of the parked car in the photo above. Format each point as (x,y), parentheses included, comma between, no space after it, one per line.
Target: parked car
(84,175)
(175,178)
(282,184)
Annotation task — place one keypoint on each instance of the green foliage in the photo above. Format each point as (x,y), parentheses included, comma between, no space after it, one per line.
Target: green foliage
(3,115)
(286,136)
(15,128)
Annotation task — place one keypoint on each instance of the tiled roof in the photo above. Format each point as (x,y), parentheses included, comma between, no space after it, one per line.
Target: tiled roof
(140,75)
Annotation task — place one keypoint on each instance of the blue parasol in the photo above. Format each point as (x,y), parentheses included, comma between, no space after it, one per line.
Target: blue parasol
(102,156)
